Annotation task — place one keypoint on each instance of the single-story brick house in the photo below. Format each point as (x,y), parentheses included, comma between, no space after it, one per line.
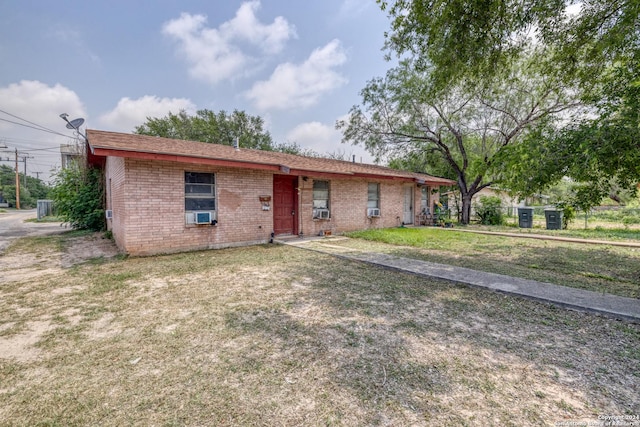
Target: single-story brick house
(165,195)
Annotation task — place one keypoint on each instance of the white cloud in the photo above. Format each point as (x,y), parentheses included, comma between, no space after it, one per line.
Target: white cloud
(130,113)
(300,86)
(41,105)
(216,54)
(315,135)
(245,26)
(325,139)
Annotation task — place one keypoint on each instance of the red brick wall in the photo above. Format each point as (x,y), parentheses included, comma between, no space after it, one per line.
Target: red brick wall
(348,205)
(147,199)
(151,217)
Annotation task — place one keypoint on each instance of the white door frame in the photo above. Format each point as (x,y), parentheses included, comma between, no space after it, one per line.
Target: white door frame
(408,205)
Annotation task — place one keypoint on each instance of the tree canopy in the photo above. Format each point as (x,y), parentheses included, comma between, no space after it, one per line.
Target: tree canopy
(458,38)
(600,150)
(35,189)
(220,128)
(593,47)
(208,126)
(463,130)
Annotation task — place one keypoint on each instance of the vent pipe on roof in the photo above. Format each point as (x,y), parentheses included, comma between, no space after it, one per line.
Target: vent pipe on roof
(236,144)
(354,158)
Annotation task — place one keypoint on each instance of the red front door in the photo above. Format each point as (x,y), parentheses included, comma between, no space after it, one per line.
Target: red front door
(285,206)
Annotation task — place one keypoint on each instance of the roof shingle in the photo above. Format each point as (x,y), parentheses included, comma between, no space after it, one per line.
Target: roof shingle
(103,143)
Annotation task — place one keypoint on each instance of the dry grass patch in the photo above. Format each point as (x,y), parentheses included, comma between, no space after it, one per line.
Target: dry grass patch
(273,335)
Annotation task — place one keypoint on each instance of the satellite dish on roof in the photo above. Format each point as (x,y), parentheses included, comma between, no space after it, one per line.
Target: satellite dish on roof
(75,124)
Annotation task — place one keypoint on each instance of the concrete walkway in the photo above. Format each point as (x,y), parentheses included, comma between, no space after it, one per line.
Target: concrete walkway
(573,298)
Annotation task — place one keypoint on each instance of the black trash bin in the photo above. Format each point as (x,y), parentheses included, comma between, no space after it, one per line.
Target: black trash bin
(553,218)
(525,217)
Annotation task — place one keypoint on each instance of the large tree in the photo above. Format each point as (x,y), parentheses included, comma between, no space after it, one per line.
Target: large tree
(466,127)
(601,150)
(458,38)
(208,126)
(596,49)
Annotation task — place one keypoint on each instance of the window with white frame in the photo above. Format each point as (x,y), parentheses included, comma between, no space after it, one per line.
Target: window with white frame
(373,200)
(199,191)
(424,200)
(321,200)
(373,196)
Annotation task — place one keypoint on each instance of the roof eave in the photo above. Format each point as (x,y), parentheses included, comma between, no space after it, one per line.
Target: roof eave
(105,152)
(100,151)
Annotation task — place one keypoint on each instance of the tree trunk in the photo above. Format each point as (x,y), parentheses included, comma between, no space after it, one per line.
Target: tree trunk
(466,207)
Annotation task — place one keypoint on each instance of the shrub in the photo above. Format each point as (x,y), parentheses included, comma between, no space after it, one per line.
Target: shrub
(568,213)
(490,210)
(78,193)
(628,220)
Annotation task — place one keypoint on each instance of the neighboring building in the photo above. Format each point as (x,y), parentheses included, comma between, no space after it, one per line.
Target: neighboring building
(166,195)
(70,153)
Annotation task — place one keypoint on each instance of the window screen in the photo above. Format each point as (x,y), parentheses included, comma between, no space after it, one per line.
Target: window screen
(320,194)
(199,191)
(373,196)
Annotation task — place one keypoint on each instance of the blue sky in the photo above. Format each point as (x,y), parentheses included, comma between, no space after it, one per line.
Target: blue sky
(298,64)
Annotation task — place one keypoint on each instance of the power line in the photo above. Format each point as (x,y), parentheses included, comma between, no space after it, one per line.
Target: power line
(38,127)
(41,149)
(23,141)
(29,147)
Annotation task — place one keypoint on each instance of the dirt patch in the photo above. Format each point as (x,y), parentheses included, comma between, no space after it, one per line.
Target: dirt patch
(105,327)
(20,347)
(45,259)
(81,249)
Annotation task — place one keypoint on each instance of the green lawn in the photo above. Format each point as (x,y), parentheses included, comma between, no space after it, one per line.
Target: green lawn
(601,268)
(603,231)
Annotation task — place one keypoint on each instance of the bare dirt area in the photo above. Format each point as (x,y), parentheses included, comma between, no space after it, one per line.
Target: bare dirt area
(274,335)
(32,251)
(48,255)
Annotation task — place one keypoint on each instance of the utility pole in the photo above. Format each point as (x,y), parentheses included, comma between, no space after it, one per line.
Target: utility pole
(18,158)
(24,159)
(17,183)
(37,174)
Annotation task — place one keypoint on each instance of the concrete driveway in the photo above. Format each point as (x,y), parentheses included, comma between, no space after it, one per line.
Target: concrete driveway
(13,226)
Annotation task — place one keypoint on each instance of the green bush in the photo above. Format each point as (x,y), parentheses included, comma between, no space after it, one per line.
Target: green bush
(568,213)
(78,194)
(490,210)
(628,220)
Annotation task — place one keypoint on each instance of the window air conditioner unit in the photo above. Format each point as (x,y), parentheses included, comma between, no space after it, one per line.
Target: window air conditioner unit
(203,217)
(322,214)
(108,214)
(372,212)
